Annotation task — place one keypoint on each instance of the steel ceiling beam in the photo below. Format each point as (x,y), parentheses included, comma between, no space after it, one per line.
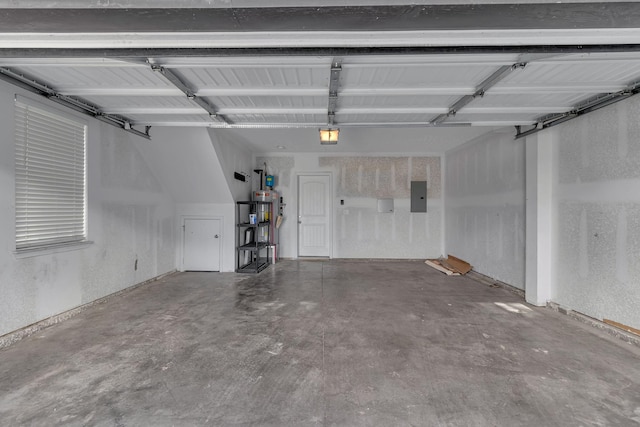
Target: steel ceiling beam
(190,93)
(334,85)
(75,104)
(374,18)
(142,54)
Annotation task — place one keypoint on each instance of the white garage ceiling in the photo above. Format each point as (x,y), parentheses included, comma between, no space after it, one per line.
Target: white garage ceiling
(340,77)
(290,92)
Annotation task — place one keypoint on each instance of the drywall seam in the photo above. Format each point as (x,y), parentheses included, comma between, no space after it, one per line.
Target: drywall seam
(484,198)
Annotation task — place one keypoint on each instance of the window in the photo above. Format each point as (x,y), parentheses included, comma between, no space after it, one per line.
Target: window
(50,178)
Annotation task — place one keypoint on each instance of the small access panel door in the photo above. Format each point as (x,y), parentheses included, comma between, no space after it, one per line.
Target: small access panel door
(201,245)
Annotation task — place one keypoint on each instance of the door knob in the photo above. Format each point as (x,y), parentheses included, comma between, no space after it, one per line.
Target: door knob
(216,236)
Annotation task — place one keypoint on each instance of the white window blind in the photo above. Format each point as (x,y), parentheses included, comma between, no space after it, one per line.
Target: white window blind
(50,178)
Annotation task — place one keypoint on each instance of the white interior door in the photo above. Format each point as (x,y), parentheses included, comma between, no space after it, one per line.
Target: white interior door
(314,215)
(201,250)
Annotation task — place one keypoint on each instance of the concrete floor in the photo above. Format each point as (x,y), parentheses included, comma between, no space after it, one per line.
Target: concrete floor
(327,343)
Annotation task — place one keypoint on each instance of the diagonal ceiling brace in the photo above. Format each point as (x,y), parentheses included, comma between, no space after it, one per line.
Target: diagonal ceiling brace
(486,84)
(334,84)
(588,106)
(201,102)
(75,104)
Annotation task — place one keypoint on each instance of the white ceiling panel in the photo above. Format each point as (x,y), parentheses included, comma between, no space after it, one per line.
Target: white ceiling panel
(486,118)
(491,59)
(407,101)
(66,79)
(442,76)
(284,119)
(576,74)
(68,62)
(121,101)
(377,119)
(171,119)
(261,102)
(135,111)
(256,76)
(557,87)
(533,100)
(242,61)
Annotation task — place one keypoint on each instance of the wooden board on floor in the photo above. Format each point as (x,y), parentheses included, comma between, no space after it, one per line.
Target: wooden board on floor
(458,265)
(436,264)
(621,326)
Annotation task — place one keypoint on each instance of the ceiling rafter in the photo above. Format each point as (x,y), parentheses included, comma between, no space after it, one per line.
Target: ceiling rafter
(334,84)
(141,54)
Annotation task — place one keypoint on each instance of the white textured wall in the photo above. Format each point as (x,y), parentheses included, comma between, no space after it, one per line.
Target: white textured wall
(485,206)
(359,230)
(598,193)
(196,165)
(233,158)
(130,217)
(188,166)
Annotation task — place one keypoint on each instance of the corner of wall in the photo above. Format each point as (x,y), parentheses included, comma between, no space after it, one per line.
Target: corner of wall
(484,197)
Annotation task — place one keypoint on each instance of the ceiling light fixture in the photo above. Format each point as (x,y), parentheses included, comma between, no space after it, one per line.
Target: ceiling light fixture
(329,136)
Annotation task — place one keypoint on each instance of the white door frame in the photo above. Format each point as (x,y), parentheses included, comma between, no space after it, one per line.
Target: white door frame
(331,212)
(183,219)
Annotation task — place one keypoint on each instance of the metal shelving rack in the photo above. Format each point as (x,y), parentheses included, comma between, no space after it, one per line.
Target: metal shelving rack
(252,257)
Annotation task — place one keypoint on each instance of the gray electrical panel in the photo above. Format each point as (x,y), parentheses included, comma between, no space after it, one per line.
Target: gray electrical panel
(418,196)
